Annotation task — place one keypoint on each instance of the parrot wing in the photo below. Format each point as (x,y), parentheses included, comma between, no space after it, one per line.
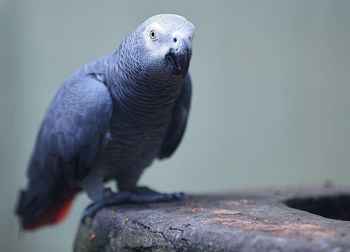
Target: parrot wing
(178,121)
(73,132)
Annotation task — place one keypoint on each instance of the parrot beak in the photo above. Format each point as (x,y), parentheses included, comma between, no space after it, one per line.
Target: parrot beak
(180,58)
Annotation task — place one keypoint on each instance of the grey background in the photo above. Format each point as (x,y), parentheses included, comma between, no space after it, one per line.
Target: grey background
(270,105)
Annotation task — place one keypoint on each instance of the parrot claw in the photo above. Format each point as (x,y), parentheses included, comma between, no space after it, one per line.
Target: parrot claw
(156,196)
(138,195)
(146,195)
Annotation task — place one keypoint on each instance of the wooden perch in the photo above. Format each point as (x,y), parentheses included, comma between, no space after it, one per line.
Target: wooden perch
(244,221)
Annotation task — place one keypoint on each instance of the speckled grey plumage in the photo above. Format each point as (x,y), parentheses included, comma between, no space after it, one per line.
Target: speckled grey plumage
(114,116)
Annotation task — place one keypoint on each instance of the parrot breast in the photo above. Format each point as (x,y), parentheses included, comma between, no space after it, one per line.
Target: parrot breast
(139,123)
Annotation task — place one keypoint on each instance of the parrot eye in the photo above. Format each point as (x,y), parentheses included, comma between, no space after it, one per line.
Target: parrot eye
(152,34)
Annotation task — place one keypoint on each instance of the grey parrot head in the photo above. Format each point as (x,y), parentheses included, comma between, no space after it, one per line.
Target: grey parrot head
(163,45)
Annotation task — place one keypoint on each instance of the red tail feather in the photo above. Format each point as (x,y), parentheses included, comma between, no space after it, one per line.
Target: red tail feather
(57,213)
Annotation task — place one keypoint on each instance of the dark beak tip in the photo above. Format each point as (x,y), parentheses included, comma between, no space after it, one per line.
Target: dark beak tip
(180,60)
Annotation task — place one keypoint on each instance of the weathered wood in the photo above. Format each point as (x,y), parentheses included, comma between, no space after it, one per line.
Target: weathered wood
(241,221)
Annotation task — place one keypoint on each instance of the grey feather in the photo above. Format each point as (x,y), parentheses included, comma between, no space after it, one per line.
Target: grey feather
(113,117)
(178,121)
(74,127)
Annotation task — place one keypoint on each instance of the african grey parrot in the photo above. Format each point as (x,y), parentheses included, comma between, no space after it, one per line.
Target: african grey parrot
(109,121)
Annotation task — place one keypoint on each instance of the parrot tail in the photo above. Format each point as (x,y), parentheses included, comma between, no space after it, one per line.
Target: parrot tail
(45,207)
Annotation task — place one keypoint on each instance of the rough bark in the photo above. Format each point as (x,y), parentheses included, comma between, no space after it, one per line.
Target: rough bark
(237,221)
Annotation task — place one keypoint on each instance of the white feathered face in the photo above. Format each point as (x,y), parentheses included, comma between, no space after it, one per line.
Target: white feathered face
(168,42)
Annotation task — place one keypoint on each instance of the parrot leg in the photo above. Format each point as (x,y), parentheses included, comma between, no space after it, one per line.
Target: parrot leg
(137,195)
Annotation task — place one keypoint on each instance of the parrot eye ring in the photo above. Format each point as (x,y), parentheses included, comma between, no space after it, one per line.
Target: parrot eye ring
(152,34)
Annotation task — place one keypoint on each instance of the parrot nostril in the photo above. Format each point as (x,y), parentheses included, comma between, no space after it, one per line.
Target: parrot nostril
(175,40)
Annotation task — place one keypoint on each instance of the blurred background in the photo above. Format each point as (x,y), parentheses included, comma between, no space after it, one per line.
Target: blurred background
(270,106)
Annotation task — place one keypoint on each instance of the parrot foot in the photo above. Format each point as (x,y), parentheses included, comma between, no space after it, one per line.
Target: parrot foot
(150,196)
(138,195)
